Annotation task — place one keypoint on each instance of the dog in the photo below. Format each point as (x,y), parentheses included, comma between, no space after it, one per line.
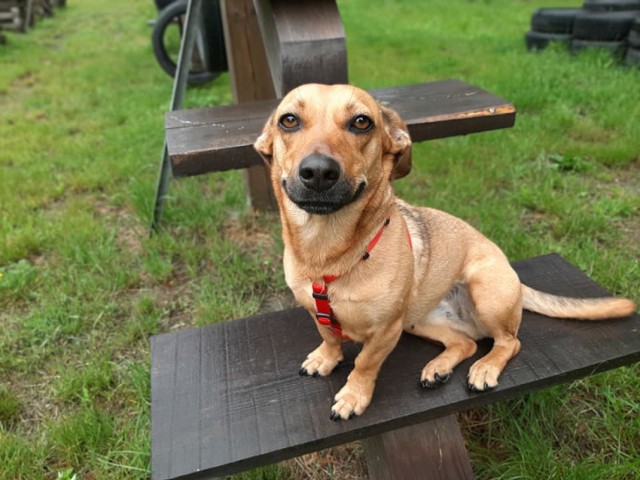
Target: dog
(368,266)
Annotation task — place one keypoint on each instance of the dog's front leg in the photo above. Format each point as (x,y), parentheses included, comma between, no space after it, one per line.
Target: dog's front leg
(354,398)
(326,357)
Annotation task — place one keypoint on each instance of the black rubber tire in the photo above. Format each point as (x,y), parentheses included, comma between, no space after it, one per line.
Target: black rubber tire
(214,37)
(634,34)
(605,26)
(540,41)
(166,18)
(553,20)
(617,49)
(611,5)
(162,4)
(632,58)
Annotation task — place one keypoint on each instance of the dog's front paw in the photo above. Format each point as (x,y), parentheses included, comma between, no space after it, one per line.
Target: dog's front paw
(483,376)
(350,401)
(435,373)
(321,361)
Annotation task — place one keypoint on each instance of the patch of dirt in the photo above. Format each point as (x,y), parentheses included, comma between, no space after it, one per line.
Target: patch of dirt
(248,233)
(284,301)
(628,179)
(346,462)
(27,80)
(174,297)
(36,403)
(129,231)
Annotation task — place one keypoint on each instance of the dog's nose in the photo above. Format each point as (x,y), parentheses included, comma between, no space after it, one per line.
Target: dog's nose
(319,172)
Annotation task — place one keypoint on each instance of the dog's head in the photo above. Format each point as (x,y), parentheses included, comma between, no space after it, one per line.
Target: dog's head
(329,145)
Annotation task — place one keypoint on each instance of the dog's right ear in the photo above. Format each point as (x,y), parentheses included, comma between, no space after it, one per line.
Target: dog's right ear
(264,143)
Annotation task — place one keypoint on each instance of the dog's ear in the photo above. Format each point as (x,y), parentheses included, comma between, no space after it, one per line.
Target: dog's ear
(397,142)
(264,143)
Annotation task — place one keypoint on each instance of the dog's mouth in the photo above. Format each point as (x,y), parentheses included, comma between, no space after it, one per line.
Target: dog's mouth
(323,203)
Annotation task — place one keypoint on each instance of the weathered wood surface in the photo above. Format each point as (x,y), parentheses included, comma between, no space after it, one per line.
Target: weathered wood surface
(227,397)
(305,42)
(250,82)
(432,450)
(221,138)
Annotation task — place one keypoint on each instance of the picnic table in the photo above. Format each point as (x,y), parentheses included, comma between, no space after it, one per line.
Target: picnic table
(227,397)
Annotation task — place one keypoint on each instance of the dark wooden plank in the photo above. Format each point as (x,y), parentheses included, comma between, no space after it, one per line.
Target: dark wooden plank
(432,450)
(221,138)
(305,42)
(163,366)
(254,364)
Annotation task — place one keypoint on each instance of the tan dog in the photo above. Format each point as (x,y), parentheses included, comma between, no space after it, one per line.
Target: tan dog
(333,152)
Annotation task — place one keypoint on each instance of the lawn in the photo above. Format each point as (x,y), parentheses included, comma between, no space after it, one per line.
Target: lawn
(82,286)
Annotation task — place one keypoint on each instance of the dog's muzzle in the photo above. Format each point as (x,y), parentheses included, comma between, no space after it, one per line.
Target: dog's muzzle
(320,187)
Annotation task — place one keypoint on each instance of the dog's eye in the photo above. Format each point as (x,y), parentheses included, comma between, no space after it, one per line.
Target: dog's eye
(361,124)
(289,122)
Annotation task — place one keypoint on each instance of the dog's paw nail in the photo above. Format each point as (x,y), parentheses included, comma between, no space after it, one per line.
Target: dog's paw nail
(442,378)
(315,374)
(334,416)
(303,372)
(427,384)
(485,388)
(353,414)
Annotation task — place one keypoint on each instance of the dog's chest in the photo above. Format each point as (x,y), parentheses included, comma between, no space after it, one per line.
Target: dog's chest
(358,301)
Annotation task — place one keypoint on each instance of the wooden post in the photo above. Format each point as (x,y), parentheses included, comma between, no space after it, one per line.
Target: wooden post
(432,450)
(250,81)
(305,42)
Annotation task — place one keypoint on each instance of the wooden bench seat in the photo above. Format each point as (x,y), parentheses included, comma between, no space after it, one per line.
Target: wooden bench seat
(227,397)
(221,138)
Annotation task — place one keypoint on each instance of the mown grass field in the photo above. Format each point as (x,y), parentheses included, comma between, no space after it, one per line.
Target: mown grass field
(82,287)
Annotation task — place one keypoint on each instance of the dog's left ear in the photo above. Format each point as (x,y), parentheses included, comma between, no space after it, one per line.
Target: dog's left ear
(397,142)
(264,143)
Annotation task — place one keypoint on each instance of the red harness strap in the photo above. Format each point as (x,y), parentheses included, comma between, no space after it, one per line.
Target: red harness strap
(324,313)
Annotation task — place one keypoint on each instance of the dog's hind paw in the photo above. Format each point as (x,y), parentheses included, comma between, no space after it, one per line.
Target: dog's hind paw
(482,376)
(436,373)
(437,381)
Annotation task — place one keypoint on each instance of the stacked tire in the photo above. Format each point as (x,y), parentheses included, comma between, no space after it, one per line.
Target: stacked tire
(612,25)
(633,53)
(550,25)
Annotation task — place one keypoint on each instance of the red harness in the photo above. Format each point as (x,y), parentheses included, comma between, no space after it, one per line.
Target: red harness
(324,313)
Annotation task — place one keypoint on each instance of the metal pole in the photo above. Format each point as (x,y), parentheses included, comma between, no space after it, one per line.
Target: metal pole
(193,23)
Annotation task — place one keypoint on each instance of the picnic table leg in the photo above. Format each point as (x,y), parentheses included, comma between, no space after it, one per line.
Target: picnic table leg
(250,81)
(432,450)
(192,23)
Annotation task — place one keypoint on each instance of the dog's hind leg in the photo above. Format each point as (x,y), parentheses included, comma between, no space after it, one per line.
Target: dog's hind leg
(497,298)
(483,375)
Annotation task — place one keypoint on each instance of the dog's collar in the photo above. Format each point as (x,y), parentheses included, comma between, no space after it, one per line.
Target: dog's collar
(324,312)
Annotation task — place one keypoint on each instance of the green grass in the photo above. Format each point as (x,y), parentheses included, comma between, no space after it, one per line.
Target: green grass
(82,287)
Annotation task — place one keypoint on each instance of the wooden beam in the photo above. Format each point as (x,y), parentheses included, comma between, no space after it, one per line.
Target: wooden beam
(221,138)
(305,42)
(250,81)
(433,450)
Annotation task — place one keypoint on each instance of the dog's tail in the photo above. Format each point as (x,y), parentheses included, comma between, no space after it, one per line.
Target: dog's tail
(580,308)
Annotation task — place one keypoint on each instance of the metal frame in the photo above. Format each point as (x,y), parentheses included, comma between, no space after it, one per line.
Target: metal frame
(192,26)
